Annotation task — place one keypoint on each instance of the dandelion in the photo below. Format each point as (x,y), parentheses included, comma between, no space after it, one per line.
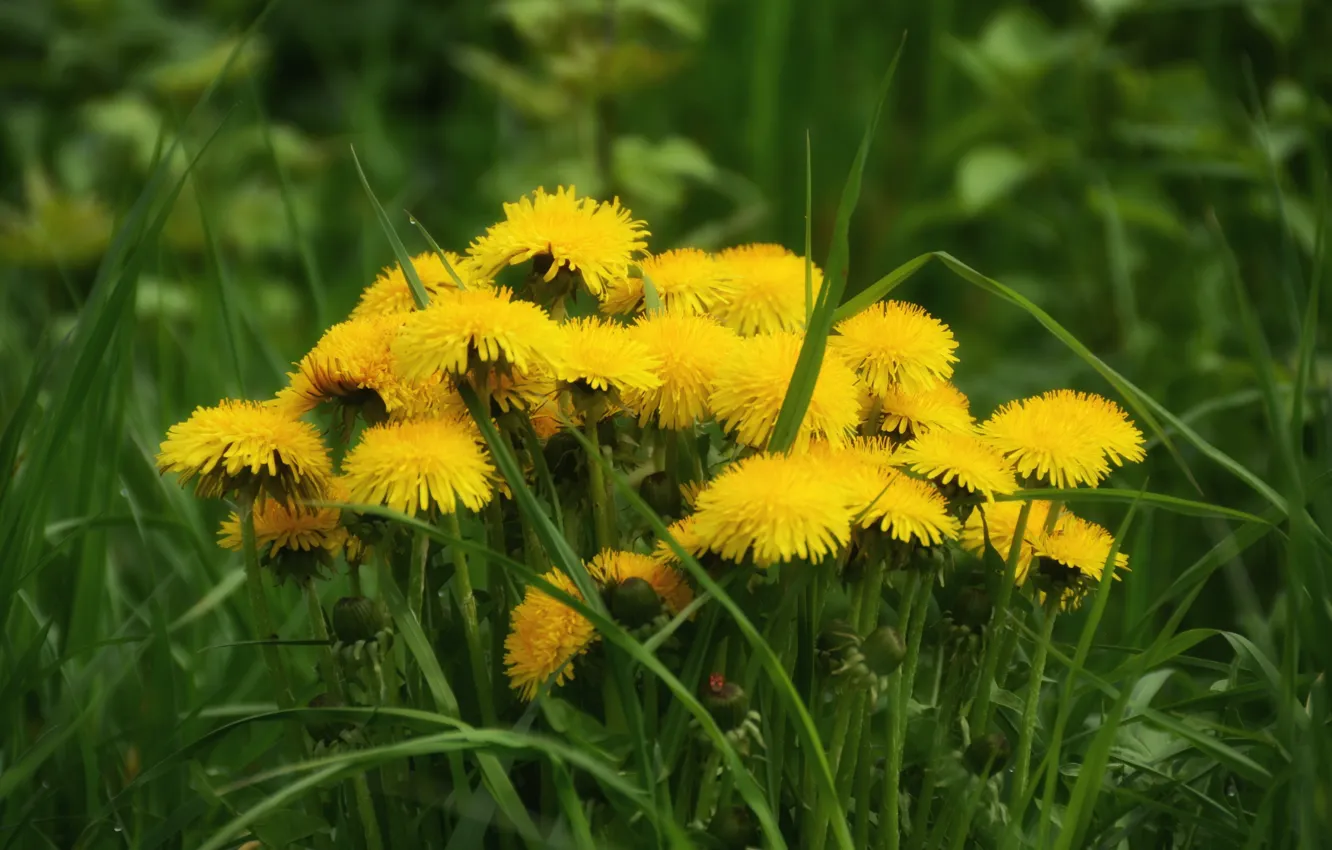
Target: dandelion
(684,533)
(1064,437)
(775,508)
(600,358)
(943,408)
(685,279)
(545,637)
(464,330)
(390,294)
(1072,557)
(896,345)
(561,231)
(300,540)
(690,350)
(905,508)
(239,445)
(612,567)
(1000,519)
(751,384)
(963,458)
(416,465)
(769,289)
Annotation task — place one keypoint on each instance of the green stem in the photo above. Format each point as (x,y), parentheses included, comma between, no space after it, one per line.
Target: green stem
(1022,760)
(945,712)
(462,589)
(890,834)
(914,637)
(707,789)
(596,485)
(980,712)
(365,809)
(328,665)
(354,576)
(263,617)
(497,584)
(416,580)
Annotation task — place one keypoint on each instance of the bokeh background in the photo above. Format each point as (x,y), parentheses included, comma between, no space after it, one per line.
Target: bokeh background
(1106,158)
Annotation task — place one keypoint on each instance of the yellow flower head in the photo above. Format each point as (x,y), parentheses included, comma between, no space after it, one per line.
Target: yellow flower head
(598,240)
(690,350)
(460,329)
(610,567)
(242,443)
(410,466)
(769,289)
(908,508)
(1073,557)
(943,408)
(896,345)
(390,293)
(685,279)
(294,528)
(521,391)
(685,534)
(775,507)
(545,636)
(973,463)
(1064,437)
(751,383)
(598,355)
(1001,519)
(352,364)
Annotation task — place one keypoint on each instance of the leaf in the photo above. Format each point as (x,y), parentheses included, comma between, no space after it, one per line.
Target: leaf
(1145,499)
(419,294)
(989,174)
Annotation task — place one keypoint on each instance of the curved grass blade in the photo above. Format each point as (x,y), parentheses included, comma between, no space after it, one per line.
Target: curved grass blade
(419,294)
(1173,504)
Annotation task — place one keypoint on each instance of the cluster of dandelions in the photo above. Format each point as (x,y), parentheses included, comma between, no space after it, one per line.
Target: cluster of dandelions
(888,459)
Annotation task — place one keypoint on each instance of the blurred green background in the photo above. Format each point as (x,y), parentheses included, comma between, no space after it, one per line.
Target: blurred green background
(1104,157)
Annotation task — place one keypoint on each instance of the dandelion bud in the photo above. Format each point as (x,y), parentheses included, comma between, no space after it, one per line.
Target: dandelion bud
(321,729)
(991,749)
(972,608)
(634,602)
(664,497)
(726,701)
(837,637)
(733,827)
(357,618)
(884,650)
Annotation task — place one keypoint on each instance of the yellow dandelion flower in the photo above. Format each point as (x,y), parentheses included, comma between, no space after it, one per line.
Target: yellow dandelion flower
(1072,558)
(768,289)
(415,465)
(908,508)
(598,355)
(238,444)
(947,457)
(611,567)
(775,507)
(690,350)
(895,344)
(1001,519)
(751,384)
(295,528)
(598,240)
(1064,437)
(943,408)
(461,328)
(545,636)
(521,391)
(390,294)
(686,535)
(686,280)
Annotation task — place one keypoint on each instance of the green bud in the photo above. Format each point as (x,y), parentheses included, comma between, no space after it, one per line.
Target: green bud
(357,618)
(726,701)
(325,730)
(634,602)
(884,650)
(837,637)
(972,608)
(992,749)
(733,827)
(659,492)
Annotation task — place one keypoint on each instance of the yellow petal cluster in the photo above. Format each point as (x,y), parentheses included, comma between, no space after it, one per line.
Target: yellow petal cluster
(391,294)
(416,465)
(768,289)
(1064,437)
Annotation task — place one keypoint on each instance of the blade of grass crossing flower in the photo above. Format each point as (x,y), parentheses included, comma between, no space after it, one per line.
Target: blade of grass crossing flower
(651,298)
(439,252)
(419,294)
(801,388)
(882,287)
(809,232)
(572,806)
(1144,499)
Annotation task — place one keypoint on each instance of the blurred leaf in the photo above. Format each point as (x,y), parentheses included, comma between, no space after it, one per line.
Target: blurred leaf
(1281,19)
(287,826)
(659,173)
(515,86)
(188,76)
(988,174)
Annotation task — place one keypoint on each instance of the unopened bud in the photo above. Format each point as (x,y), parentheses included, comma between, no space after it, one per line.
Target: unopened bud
(357,618)
(726,701)
(733,827)
(991,749)
(884,650)
(634,602)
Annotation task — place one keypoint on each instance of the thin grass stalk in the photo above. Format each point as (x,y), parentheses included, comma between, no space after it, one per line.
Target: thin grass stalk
(890,835)
(416,577)
(263,617)
(980,713)
(596,488)
(707,789)
(462,588)
(946,711)
(496,582)
(328,664)
(365,813)
(1022,758)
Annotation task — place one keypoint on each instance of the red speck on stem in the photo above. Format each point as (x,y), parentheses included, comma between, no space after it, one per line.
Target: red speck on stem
(716,682)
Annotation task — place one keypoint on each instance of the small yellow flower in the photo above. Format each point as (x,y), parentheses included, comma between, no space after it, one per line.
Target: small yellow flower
(690,350)
(752,381)
(973,463)
(610,567)
(1001,519)
(685,279)
(775,507)
(601,356)
(683,532)
(295,528)
(521,391)
(904,507)
(598,240)
(239,444)
(943,408)
(461,330)
(390,294)
(896,345)
(545,636)
(769,289)
(415,465)
(1064,437)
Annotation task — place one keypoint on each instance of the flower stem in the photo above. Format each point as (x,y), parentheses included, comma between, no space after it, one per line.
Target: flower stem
(263,618)
(462,588)
(707,789)
(365,809)
(980,709)
(889,814)
(1022,757)
(328,665)
(596,485)
(496,584)
(416,579)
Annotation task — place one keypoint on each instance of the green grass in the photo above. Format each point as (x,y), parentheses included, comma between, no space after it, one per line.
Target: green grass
(1154,228)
